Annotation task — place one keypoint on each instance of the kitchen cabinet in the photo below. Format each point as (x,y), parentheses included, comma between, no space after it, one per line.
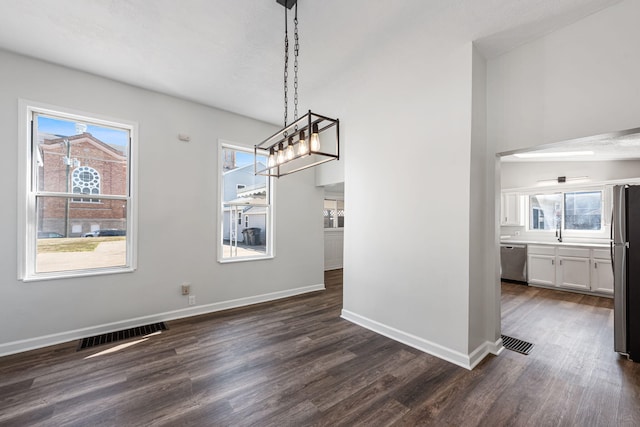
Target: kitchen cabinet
(602,272)
(511,209)
(574,268)
(571,268)
(541,261)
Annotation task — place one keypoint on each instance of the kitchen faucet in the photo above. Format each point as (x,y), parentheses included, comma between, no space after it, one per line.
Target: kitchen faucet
(559,231)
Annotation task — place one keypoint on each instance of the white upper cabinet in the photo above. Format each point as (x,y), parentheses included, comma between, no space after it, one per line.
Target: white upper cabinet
(511,208)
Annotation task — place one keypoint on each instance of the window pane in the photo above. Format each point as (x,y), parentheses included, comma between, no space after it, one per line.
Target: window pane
(78,187)
(245,206)
(73,156)
(545,211)
(583,210)
(333,213)
(62,225)
(328,213)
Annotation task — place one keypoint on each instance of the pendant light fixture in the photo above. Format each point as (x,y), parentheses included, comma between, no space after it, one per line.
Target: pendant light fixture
(289,150)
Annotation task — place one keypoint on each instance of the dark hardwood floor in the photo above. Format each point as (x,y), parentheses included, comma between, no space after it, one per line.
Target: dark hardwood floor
(294,362)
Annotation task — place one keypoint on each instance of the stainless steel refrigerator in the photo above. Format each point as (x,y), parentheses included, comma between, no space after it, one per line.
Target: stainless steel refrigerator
(625,250)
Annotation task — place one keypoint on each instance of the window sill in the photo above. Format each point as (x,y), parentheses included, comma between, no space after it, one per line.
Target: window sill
(74,274)
(243,259)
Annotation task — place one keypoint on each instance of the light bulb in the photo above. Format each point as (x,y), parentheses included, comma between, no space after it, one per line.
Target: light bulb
(289,152)
(280,154)
(272,158)
(315,138)
(303,148)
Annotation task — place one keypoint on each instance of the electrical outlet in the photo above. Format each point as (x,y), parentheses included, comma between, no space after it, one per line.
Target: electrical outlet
(192,300)
(186,288)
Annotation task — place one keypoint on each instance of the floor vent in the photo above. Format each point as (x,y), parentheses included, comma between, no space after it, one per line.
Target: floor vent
(514,344)
(121,335)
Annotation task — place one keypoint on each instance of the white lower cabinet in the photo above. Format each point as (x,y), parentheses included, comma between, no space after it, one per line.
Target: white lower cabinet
(542,269)
(568,267)
(574,273)
(602,272)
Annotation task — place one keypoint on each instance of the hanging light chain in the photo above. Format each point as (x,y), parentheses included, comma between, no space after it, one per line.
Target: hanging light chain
(286,68)
(296,51)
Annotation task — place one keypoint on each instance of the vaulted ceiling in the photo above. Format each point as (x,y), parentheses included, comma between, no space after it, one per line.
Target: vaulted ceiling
(229,54)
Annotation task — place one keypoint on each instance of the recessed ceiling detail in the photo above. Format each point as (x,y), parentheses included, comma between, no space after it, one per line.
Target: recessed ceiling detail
(615,146)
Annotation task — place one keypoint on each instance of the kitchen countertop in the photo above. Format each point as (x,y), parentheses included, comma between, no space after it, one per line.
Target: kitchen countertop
(536,242)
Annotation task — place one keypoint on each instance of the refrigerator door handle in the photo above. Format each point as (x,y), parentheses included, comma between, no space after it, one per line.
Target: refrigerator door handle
(618,262)
(611,242)
(620,300)
(613,259)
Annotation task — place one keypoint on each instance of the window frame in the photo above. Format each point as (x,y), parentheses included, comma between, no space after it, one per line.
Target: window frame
(602,232)
(73,186)
(27,191)
(270,208)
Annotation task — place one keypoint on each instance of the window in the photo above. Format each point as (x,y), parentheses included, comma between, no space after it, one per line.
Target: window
(86,180)
(580,210)
(583,210)
(545,211)
(243,194)
(70,155)
(333,213)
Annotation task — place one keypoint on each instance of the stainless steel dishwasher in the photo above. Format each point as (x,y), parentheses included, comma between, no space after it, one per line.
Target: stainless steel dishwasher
(513,260)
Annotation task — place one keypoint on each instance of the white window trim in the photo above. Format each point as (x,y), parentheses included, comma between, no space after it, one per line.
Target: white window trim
(26,230)
(271,211)
(568,233)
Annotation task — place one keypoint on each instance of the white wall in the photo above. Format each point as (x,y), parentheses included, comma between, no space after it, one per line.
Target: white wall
(333,172)
(484,309)
(414,96)
(412,286)
(579,81)
(177,215)
(333,248)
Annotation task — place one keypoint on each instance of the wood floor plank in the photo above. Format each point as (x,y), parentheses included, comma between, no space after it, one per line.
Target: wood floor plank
(295,362)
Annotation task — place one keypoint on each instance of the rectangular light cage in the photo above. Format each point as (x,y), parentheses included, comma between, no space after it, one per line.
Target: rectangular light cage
(309,141)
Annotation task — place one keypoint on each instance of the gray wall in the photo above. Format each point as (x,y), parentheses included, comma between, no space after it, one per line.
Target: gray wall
(177,215)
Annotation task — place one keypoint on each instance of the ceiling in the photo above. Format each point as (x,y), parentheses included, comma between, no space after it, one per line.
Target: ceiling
(229,54)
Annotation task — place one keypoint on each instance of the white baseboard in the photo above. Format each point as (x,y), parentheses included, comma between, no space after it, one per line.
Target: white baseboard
(47,340)
(483,351)
(467,361)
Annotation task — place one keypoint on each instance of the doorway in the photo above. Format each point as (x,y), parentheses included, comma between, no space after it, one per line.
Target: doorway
(333,221)
(568,263)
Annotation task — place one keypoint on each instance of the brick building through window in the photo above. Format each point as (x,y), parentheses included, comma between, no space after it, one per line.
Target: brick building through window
(81,164)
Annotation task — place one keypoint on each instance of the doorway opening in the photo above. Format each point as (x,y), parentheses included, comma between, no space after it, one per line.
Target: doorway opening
(556,201)
(333,214)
